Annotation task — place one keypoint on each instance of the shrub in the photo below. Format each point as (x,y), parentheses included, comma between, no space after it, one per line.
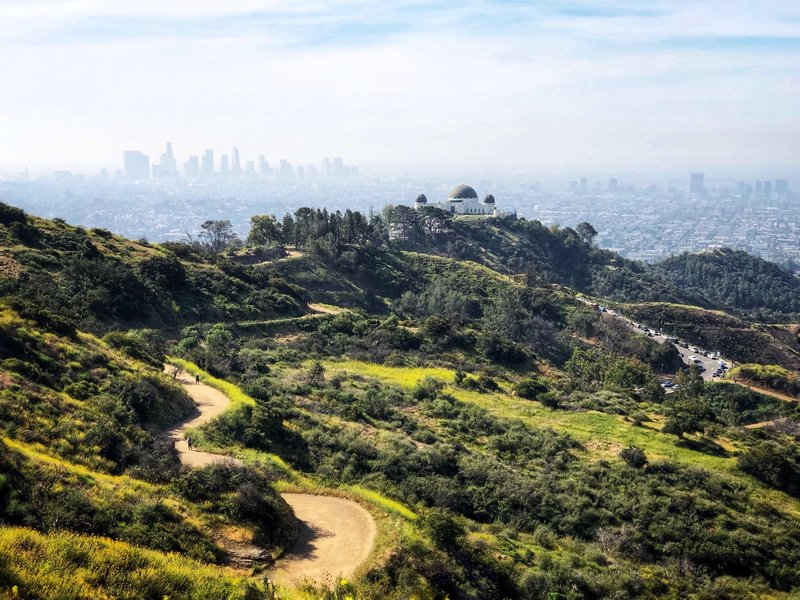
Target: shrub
(530,388)
(634,456)
(11,214)
(774,464)
(550,400)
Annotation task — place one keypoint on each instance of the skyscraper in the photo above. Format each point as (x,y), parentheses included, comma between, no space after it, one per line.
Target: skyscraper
(223,164)
(136,165)
(612,185)
(338,167)
(697,183)
(584,185)
(208,162)
(167,166)
(191,169)
(236,168)
(326,166)
(767,189)
(263,165)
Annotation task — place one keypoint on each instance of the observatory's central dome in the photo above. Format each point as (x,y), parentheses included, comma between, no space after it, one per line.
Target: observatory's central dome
(462,192)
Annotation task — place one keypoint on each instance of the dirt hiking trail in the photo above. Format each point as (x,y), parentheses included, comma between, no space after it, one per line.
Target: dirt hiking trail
(210,403)
(336,536)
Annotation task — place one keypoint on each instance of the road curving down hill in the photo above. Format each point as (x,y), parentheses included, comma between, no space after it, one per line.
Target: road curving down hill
(336,534)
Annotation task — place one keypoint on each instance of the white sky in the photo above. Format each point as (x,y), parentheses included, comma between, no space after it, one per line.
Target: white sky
(545,86)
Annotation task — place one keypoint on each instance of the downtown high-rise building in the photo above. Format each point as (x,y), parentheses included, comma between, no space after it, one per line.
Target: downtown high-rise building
(208,162)
(236,168)
(135,165)
(191,168)
(223,164)
(697,183)
(167,165)
(612,185)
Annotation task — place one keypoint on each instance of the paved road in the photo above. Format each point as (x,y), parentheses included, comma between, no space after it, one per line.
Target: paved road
(710,364)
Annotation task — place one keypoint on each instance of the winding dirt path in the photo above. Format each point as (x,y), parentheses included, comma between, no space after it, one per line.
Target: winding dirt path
(336,536)
(210,403)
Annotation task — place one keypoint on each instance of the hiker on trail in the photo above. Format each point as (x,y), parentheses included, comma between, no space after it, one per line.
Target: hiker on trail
(189,442)
(197,379)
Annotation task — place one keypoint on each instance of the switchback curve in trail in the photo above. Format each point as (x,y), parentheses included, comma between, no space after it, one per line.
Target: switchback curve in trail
(336,534)
(210,403)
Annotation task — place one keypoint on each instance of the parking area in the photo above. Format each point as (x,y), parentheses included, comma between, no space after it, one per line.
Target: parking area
(712,366)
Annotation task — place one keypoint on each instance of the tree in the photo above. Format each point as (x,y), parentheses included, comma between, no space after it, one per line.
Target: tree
(264,230)
(218,235)
(316,374)
(775,465)
(586,232)
(434,219)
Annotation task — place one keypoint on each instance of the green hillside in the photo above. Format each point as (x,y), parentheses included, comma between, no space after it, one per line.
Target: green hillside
(737,281)
(509,439)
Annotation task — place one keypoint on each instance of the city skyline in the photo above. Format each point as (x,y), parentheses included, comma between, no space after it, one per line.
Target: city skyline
(138,165)
(408,87)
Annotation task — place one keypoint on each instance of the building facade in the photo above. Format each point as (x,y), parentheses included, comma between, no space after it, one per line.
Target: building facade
(462,200)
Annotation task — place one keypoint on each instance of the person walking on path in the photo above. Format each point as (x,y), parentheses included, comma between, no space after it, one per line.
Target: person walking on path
(197,379)
(189,442)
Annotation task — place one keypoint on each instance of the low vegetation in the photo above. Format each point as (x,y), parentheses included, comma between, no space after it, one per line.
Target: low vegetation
(514,441)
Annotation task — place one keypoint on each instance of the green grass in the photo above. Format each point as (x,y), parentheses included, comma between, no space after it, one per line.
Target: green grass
(406,377)
(234,394)
(380,500)
(68,566)
(603,434)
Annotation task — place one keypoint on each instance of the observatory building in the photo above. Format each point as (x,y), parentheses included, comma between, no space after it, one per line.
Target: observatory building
(462,200)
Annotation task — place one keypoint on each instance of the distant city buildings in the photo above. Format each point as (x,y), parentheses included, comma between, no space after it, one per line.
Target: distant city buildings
(136,166)
(697,184)
(208,163)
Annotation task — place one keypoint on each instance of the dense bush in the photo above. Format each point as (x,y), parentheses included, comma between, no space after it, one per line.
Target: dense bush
(776,465)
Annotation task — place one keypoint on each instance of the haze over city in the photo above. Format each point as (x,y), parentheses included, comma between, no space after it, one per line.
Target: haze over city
(651,90)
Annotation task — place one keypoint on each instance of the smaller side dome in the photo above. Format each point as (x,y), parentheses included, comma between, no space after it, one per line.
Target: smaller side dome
(422,199)
(489,199)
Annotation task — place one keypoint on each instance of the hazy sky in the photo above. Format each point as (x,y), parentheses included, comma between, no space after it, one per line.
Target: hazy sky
(541,86)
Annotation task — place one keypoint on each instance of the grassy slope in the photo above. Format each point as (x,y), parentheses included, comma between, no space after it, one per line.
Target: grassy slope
(66,566)
(605,434)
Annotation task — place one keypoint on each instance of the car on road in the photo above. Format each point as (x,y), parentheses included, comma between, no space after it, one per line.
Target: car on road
(693,358)
(667,384)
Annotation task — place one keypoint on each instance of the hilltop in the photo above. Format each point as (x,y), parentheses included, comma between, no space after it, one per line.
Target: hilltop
(509,439)
(736,281)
